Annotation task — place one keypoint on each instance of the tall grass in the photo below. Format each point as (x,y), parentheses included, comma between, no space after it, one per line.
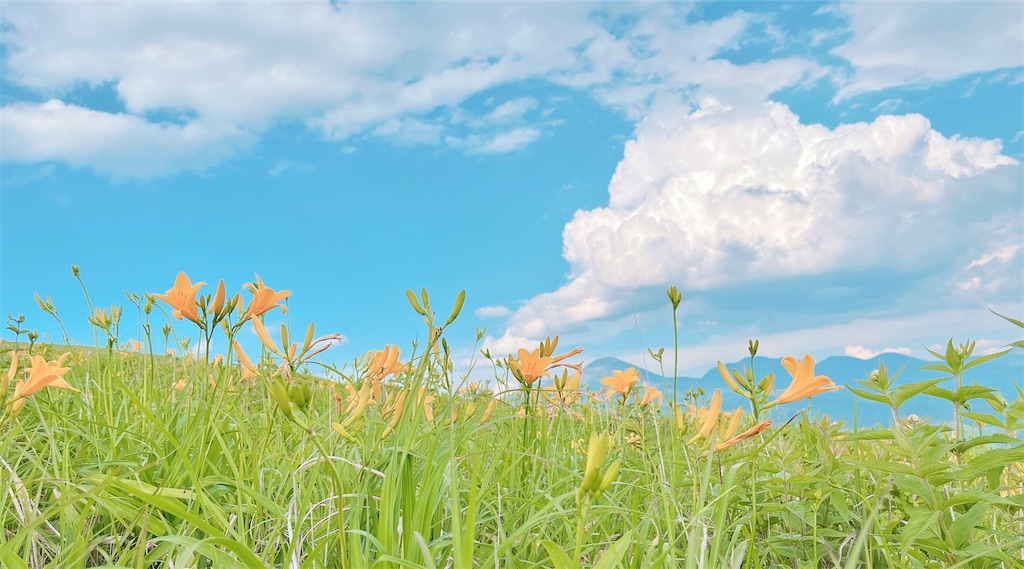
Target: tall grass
(397,463)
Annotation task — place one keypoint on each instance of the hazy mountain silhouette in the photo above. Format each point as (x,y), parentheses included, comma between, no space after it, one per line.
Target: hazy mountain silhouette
(1000,374)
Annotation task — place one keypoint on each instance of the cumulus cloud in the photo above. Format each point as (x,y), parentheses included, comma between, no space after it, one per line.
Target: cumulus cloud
(724,197)
(863,353)
(909,43)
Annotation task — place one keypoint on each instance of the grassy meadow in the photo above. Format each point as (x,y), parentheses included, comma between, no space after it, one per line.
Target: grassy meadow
(153,452)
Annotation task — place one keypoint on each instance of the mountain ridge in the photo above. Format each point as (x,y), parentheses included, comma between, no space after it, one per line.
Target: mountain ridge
(1002,374)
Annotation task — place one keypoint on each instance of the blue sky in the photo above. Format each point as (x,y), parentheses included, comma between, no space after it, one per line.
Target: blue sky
(828,178)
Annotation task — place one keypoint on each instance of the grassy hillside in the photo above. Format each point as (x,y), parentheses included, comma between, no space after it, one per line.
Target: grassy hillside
(115,458)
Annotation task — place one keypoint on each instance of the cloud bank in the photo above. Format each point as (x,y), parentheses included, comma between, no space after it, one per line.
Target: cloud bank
(722,197)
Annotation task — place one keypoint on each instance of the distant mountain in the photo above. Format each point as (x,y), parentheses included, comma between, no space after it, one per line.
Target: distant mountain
(1000,374)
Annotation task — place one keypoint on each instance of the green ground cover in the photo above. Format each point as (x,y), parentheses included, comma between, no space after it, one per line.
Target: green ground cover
(122,455)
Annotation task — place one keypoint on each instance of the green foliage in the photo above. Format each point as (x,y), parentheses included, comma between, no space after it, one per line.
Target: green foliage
(131,472)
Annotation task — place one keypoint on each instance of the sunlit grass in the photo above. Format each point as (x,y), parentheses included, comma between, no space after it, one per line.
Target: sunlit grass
(147,452)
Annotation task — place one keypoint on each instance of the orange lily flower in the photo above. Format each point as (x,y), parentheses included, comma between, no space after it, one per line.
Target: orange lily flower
(249,371)
(755,430)
(426,400)
(43,374)
(651,394)
(621,382)
(490,409)
(709,416)
(528,367)
(217,308)
(264,299)
(384,363)
(182,297)
(133,345)
(805,384)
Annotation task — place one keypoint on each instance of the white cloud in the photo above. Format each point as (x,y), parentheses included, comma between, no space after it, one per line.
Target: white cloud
(485,312)
(724,197)
(495,143)
(863,353)
(997,271)
(508,141)
(352,69)
(114,143)
(910,43)
(409,131)
(1002,255)
(282,166)
(512,110)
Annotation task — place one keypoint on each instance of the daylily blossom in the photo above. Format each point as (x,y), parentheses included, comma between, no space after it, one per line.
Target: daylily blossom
(357,402)
(249,371)
(730,380)
(708,417)
(528,367)
(805,384)
(651,394)
(182,297)
(43,374)
(133,345)
(264,299)
(755,430)
(621,382)
(218,299)
(426,400)
(487,412)
(728,424)
(384,363)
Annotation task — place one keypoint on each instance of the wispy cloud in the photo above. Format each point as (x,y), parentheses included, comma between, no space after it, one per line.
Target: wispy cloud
(865,353)
(396,72)
(898,44)
(1002,254)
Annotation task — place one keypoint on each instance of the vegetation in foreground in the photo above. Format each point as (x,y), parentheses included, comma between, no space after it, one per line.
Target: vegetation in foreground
(129,456)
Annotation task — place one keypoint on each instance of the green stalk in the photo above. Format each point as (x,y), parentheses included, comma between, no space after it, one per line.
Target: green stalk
(675,352)
(339,495)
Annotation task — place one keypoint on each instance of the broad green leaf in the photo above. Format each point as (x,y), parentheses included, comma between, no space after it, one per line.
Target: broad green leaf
(920,521)
(963,526)
(982,359)
(941,393)
(558,557)
(937,367)
(869,395)
(997,438)
(995,458)
(901,394)
(11,559)
(887,466)
(1014,321)
(970,392)
(613,555)
(984,418)
(870,435)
